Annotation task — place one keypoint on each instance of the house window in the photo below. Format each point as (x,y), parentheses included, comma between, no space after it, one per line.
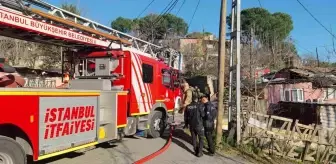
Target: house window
(329,93)
(295,95)
(287,96)
(300,95)
(147,73)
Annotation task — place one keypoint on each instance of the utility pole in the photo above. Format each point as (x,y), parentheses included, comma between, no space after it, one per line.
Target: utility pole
(253,72)
(317,58)
(234,101)
(251,52)
(204,49)
(221,53)
(237,12)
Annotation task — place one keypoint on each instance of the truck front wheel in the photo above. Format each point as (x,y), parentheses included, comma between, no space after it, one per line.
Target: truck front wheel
(11,152)
(157,124)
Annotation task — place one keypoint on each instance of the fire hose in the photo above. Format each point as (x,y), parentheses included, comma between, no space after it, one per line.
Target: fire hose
(163,149)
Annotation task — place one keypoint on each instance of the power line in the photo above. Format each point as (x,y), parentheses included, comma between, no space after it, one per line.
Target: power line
(167,7)
(145,8)
(316,19)
(180,7)
(297,43)
(192,18)
(170,8)
(166,10)
(260,3)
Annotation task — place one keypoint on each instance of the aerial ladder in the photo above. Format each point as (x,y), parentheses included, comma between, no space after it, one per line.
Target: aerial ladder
(104,37)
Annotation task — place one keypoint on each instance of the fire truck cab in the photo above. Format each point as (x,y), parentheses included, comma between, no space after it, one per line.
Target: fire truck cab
(150,83)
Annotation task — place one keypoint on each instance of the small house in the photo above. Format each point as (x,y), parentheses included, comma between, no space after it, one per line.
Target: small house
(299,85)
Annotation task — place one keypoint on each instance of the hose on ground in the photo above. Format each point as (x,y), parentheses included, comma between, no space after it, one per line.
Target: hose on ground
(163,149)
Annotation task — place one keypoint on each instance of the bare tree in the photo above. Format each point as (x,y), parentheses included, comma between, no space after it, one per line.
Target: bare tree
(32,57)
(15,50)
(51,57)
(309,60)
(29,54)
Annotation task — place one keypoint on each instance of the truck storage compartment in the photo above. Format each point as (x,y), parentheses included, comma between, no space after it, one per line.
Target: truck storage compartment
(109,111)
(108,116)
(67,118)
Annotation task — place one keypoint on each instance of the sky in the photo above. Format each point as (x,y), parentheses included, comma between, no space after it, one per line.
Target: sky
(307,33)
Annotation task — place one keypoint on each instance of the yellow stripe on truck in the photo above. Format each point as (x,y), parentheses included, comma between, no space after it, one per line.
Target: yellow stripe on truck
(66,151)
(121,126)
(122,93)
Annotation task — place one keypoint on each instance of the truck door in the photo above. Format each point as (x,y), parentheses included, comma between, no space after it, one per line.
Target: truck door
(147,86)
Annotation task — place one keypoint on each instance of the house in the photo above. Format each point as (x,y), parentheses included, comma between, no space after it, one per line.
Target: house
(40,78)
(299,85)
(202,81)
(208,44)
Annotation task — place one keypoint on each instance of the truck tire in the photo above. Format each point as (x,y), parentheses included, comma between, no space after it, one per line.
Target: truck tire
(11,152)
(157,124)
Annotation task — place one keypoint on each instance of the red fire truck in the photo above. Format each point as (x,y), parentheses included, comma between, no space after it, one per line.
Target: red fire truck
(120,85)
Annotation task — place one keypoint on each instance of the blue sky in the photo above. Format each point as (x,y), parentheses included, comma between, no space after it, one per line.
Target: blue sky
(307,33)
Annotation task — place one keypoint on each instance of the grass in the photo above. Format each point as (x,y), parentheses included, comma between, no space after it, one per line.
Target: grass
(248,153)
(251,153)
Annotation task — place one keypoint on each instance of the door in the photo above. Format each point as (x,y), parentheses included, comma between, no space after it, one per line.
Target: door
(147,88)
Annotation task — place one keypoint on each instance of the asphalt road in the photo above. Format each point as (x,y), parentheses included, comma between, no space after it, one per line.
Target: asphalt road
(132,149)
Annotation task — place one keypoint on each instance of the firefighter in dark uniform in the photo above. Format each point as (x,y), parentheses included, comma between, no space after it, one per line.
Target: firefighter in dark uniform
(193,119)
(210,112)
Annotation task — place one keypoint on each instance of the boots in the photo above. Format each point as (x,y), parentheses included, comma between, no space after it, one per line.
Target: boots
(198,153)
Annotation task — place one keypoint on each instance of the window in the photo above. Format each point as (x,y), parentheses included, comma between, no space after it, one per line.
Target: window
(166,79)
(287,96)
(329,93)
(147,73)
(102,66)
(295,95)
(300,95)
(325,94)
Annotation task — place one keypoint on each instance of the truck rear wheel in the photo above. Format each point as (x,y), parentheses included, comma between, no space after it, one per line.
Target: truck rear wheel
(157,124)
(11,152)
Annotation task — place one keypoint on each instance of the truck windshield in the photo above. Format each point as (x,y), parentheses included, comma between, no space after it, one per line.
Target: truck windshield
(166,78)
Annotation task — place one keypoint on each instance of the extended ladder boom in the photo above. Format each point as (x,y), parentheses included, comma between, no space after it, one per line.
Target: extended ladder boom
(28,20)
(154,50)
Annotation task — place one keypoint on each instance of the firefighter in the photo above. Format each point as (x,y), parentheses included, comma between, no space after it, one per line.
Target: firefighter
(198,92)
(209,122)
(187,96)
(66,77)
(193,119)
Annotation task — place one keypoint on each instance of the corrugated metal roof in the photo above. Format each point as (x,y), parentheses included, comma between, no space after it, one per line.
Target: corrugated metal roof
(303,72)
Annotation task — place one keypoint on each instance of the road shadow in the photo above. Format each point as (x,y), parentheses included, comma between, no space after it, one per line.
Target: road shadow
(53,159)
(179,135)
(69,155)
(107,145)
(132,137)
